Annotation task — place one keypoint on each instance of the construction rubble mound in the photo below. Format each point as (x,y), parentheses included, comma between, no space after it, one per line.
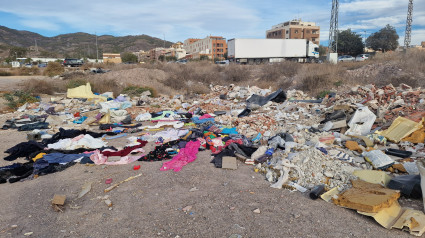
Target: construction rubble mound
(360,149)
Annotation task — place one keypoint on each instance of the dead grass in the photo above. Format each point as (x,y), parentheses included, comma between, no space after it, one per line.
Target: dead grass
(39,86)
(53,69)
(5,73)
(314,78)
(108,85)
(25,71)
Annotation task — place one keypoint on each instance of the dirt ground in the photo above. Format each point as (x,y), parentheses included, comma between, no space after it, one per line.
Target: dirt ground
(152,205)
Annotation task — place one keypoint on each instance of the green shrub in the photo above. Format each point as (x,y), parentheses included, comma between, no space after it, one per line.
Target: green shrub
(323,93)
(19,98)
(136,91)
(73,83)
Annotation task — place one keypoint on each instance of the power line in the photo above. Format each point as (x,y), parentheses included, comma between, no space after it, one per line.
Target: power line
(408,25)
(333,28)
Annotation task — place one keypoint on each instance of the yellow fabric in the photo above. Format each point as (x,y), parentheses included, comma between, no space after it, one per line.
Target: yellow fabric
(84,91)
(39,156)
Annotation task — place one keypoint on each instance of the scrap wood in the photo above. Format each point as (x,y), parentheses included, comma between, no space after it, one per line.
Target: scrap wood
(119,183)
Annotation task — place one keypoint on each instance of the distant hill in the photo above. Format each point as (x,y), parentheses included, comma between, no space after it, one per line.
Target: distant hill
(75,44)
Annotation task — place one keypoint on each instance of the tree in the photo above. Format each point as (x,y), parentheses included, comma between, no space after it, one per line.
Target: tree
(322,50)
(384,40)
(128,57)
(170,58)
(204,57)
(349,43)
(17,52)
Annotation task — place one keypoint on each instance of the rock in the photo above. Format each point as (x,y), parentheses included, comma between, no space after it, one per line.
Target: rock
(257,211)
(187,208)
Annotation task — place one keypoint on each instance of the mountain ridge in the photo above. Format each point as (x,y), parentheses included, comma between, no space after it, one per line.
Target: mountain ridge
(78,44)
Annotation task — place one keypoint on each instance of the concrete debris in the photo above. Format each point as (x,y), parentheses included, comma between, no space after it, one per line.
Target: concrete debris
(297,142)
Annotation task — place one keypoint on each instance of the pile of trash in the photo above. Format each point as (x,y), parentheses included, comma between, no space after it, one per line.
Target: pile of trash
(360,149)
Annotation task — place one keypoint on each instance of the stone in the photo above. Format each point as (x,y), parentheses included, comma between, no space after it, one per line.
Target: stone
(187,208)
(257,211)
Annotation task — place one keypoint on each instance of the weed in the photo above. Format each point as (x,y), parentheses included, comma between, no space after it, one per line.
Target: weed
(73,83)
(19,98)
(338,83)
(323,93)
(137,91)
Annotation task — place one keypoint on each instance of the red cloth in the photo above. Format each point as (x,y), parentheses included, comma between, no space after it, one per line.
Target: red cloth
(126,150)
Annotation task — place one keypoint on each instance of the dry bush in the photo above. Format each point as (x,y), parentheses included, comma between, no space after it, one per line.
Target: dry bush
(413,61)
(5,73)
(107,85)
(194,77)
(73,75)
(178,77)
(24,71)
(39,86)
(236,73)
(397,80)
(53,69)
(276,71)
(354,65)
(314,78)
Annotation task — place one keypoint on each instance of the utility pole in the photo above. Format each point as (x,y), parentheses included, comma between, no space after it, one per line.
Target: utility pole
(365,41)
(36,47)
(97,52)
(333,33)
(408,25)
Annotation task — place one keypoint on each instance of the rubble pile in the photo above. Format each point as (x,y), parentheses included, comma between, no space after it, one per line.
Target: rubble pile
(297,142)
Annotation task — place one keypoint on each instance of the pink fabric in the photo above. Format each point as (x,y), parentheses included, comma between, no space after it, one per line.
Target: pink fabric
(98,158)
(185,156)
(77,138)
(205,116)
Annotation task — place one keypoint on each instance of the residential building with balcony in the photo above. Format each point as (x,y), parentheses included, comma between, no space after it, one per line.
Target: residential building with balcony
(295,29)
(215,47)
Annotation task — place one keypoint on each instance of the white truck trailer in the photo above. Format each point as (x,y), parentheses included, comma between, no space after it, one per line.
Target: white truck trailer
(255,51)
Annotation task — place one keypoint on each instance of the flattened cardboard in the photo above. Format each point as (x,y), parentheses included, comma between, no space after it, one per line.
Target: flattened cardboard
(59,199)
(229,163)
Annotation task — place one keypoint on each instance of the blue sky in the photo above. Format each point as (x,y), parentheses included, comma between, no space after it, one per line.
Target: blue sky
(179,20)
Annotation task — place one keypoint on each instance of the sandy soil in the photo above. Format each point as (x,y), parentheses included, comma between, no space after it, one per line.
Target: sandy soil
(152,205)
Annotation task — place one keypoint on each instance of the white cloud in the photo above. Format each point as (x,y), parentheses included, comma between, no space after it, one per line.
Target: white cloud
(40,24)
(172,18)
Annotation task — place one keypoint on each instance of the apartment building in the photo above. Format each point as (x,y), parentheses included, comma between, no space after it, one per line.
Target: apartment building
(295,29)
(215,47)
